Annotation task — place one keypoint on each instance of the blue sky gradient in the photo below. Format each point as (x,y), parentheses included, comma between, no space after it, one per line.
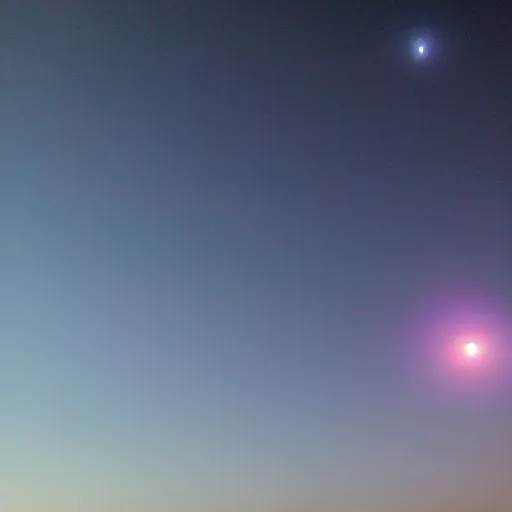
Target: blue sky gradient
(218,238)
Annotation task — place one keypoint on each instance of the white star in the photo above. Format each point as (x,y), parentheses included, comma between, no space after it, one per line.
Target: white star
(421,48)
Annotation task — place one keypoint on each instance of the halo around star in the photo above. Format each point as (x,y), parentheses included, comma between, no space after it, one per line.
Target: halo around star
(423,46)
(420,48)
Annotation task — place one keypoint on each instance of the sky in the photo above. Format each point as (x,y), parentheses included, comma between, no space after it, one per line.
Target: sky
(238,242)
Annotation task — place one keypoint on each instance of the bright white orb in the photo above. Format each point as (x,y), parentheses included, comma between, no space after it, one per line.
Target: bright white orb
(471,349)
(421,48)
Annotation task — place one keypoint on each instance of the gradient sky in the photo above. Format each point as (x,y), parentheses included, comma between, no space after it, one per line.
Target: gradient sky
(237,238)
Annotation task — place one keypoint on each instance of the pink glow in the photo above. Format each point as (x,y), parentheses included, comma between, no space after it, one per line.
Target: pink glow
(472,349)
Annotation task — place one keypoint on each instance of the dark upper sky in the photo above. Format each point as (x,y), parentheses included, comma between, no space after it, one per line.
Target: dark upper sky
(237,240)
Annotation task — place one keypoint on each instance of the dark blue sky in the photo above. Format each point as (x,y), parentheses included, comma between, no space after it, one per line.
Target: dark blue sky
(236,238)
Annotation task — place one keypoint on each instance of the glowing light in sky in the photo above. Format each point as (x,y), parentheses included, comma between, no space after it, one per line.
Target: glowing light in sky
(471,349)
(470,352)
(421,48)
